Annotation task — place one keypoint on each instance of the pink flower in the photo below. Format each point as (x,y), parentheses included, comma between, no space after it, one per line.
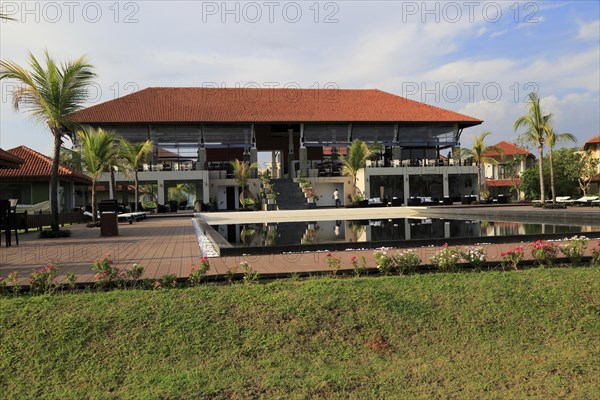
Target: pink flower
(353,258)
(328,255)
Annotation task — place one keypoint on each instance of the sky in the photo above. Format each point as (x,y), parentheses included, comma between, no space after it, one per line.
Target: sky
(480,58)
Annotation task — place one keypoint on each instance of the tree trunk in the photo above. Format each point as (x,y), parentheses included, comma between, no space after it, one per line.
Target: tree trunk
(94,201)
(552,177)
(479,183)
(137,183)
(54,180)
(113,183)
(541,167)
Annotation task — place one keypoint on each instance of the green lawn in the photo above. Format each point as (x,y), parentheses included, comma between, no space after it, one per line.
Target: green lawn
(533,333)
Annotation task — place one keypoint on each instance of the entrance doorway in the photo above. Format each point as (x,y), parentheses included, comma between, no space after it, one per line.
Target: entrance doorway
(230,197)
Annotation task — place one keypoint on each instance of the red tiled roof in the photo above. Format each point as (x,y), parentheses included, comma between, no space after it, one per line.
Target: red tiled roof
(595,139)
(508,149)
(500,182)
(265,105)
(8,160)
(37,165)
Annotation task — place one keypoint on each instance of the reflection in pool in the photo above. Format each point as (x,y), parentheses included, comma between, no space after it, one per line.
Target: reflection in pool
(379,231)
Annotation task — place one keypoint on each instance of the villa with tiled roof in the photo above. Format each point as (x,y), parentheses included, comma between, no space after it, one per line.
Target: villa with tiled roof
(30,183)
(197,131)
(500,177)
(593,145)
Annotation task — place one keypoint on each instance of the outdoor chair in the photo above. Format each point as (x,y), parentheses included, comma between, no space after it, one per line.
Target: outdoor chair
(563,199)
(586,200)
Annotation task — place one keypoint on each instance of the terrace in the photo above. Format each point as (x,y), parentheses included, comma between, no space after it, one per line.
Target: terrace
(164,245)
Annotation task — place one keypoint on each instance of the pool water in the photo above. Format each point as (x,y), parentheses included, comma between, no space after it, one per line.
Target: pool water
(257,237)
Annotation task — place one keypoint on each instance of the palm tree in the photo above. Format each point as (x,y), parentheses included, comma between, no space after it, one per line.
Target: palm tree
(478,154)
(98,149)
(133,154)
(538,126)
(50,94)
(552,138)
(241,173)
(357,157)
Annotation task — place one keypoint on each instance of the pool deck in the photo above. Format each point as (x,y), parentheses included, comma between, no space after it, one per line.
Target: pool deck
(164,245)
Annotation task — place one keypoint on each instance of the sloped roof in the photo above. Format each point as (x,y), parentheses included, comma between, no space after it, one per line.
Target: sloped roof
(501,182)
(37,165)
(8,160)
(226,105)
(595,139)
(508,149)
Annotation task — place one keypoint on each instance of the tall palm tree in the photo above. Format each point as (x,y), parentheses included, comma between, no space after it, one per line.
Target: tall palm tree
(538,125)
(552,139)
(50,93)
(241,173)
(478,154)
(98,149)
(357,157)
(134,154)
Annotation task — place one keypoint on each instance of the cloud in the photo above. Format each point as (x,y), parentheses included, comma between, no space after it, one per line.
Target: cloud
(370,46)
(589,30)
(498,33)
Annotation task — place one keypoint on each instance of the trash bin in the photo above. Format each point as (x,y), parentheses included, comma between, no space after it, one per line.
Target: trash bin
(108,218)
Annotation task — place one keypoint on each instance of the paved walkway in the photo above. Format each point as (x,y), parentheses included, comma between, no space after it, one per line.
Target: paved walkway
(169,246)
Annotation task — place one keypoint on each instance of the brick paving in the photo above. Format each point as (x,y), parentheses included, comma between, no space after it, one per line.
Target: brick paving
(168,246)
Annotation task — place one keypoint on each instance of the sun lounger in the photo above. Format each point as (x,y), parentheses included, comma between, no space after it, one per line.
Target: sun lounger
(586,200)
(563,199)
(129,217)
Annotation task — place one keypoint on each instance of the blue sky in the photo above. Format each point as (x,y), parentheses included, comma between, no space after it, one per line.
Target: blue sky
(478,58)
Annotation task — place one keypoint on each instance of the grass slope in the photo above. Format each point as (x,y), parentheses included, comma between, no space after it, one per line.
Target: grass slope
(532,333)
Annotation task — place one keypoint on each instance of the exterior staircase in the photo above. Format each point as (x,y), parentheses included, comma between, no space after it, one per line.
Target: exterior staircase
(289,195)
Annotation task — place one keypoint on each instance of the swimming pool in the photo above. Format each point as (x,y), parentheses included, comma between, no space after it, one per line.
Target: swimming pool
(279,237)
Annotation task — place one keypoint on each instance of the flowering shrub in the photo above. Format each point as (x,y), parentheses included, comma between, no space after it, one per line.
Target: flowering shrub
(333,263)
(475,256)
(596,255)
(2,286)
(135,274)
(42,280)
(574,248)
(384,261)
(446,259)
(544,252)
(512,258)
(197,275)
(14,280)
(168,281)
(106,274)
(406,261)
(359,269)
(71,279)
(250,275)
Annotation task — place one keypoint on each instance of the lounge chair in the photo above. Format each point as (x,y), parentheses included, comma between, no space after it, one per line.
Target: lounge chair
(586,200)
(129,217)
(563,199)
